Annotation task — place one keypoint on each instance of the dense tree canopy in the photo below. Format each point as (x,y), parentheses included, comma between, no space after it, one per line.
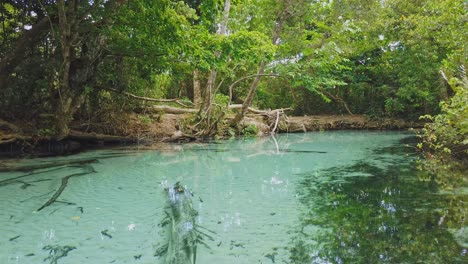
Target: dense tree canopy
(63,60)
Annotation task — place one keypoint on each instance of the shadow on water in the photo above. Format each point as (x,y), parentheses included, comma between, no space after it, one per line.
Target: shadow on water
(373,212)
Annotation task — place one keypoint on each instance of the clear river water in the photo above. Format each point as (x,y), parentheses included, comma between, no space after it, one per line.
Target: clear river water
(324,197)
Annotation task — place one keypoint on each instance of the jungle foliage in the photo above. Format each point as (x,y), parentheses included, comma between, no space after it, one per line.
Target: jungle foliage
(444,140)
(63,60)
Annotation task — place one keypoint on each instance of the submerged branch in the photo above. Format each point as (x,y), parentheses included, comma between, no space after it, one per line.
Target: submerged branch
(44,166)
(62,187)
(16,179)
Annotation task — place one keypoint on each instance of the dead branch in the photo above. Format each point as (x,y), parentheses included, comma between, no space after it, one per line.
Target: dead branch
(82,136)
(6,140)
(7,126)
(276,122)
(16,179)
(177,101)
(54,164)
(28,168)
(180,137)
(261,112)
(62,187)
(340,100)
(170,109)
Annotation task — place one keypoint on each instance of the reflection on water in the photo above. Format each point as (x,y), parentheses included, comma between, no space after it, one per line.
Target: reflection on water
(386,217)
(334,197)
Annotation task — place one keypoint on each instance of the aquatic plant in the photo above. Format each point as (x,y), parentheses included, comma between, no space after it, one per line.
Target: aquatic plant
(57,252)
(183,234)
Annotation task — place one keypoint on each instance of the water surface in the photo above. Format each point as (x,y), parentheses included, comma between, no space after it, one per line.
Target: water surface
(331,197)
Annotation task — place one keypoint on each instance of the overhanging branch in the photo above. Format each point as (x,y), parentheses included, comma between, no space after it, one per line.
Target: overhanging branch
(248,77)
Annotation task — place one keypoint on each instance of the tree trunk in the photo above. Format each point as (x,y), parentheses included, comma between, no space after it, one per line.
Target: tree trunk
(250,96)
(207,95)
(209,92)
(197,97)
(283,17)
(67,20)
(75,73)
(223,24)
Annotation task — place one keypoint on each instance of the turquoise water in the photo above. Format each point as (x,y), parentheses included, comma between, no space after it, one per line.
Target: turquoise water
(331,197)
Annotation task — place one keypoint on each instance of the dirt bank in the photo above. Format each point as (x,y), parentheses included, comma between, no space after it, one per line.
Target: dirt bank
(345,122)
(18,140)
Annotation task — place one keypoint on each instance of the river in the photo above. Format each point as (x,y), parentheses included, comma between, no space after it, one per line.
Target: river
(321,197)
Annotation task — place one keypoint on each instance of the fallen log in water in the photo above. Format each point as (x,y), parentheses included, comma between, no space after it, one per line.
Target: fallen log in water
(16,179)
(30,168)
(13,167)
(82,136)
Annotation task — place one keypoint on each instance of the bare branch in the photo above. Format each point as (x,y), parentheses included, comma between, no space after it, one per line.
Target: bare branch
(177,101)
(171,110)
(247,77)
(260,112)
(338,99)
(276,122)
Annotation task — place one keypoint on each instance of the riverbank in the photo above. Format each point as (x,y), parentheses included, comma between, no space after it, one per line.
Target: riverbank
(21,140)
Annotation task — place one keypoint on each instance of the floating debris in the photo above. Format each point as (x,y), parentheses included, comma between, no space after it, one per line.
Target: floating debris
(14,238)
(106,233)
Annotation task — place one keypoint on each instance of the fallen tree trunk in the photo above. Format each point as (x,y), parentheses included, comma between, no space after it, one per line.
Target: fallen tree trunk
(82,136)
(32,168)
(9,127)
(171,110)
(149,99)
(175,110)
(257,111)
